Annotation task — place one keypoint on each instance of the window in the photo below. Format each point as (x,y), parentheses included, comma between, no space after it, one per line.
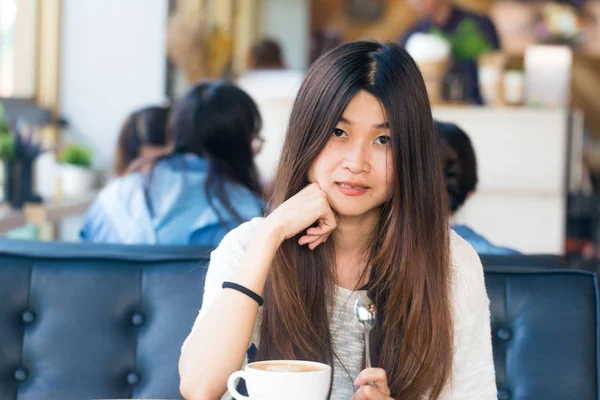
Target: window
(18,30)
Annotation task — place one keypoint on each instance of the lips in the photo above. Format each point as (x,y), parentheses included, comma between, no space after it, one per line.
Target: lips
(352,188)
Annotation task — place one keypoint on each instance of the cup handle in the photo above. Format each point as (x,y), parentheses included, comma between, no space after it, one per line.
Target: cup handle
(232,383)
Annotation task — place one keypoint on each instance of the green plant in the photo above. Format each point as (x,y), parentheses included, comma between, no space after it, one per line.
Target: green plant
(7,141)
(4,130)
(74,154)
(7,147)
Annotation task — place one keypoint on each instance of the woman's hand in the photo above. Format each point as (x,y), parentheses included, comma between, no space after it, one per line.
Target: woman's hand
(300,211)
(380,391)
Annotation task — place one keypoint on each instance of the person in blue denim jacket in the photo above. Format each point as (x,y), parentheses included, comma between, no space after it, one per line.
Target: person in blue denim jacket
(460,173)
(206,184)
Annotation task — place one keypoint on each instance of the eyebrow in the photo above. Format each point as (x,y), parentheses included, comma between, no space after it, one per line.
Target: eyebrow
(383,125)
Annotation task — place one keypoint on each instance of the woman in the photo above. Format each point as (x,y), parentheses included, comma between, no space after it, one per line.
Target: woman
(205,187)
(358,205)
(460,172)
(143,134)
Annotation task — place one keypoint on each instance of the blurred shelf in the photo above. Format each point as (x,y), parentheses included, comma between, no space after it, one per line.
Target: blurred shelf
(45,216)
(55,210)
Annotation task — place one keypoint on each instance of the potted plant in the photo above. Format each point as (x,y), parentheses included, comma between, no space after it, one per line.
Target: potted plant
(19,148)
(77,177)
(7,141)
(7,155)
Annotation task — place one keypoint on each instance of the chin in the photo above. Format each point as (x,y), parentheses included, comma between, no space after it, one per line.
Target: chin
(351,210)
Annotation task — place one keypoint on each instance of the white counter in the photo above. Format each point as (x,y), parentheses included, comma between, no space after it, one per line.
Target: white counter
(521,198)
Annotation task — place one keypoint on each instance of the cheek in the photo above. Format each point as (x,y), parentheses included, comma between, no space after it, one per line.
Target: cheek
(315,169)
(320,167)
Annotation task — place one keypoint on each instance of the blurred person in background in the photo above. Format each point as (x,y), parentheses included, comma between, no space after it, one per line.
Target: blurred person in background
(267,75)
(143,134)
(266,54)
(460,173)
(469,34)
(206,185)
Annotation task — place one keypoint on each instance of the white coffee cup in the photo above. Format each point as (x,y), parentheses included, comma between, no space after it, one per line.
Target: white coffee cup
(283,379)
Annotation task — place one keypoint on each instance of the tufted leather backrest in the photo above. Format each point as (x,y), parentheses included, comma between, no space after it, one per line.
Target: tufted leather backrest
(81,321)
(544,261)
(544,332)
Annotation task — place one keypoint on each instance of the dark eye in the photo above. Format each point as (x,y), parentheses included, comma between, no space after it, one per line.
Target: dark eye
(339,133)
(382,140)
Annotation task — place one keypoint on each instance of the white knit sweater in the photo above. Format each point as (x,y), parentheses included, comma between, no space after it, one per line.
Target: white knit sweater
(473,368)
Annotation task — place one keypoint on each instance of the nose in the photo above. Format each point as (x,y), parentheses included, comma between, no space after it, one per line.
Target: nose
(356,159)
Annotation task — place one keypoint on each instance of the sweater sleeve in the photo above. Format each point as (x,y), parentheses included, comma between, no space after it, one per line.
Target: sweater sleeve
(473,375)
(224,262)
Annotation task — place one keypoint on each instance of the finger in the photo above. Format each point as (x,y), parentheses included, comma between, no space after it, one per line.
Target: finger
(318,231)
(369,393)
(376,375)
(328,220)
(314,244)
(306,239)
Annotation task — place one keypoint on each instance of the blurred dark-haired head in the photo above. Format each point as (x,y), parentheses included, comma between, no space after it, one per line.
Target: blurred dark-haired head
(142,133)
(266,54)
(460,163)
(219,122)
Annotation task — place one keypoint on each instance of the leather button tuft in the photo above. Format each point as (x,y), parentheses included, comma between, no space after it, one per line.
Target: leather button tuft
(503,334)
(133,378)
(21,374)
(503,394)
(28,317)
(137,319)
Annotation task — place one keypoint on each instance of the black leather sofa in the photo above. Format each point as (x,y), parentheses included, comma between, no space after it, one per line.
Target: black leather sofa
(82,321)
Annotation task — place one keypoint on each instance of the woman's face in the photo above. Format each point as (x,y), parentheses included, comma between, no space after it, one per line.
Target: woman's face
(355,166)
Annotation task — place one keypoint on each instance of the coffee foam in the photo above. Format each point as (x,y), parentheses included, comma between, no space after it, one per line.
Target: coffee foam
(284,368)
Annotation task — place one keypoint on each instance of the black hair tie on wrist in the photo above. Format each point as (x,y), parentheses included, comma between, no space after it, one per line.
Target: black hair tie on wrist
(244,290)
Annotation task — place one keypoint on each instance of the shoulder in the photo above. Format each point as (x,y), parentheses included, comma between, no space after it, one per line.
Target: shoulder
(239,194)
(473,366)
(480,243)
(464,258)
(97,226)
(467,278)
(120,188)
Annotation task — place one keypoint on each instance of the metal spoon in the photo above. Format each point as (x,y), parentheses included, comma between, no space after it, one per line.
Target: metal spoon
(366,313)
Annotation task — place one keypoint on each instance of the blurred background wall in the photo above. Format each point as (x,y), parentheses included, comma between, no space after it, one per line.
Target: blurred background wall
(113,60)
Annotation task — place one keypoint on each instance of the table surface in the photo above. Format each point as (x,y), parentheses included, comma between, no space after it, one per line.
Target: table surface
(10,219)
(51,211)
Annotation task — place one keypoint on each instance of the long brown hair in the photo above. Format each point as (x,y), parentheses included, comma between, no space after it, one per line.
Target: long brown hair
(409,255)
